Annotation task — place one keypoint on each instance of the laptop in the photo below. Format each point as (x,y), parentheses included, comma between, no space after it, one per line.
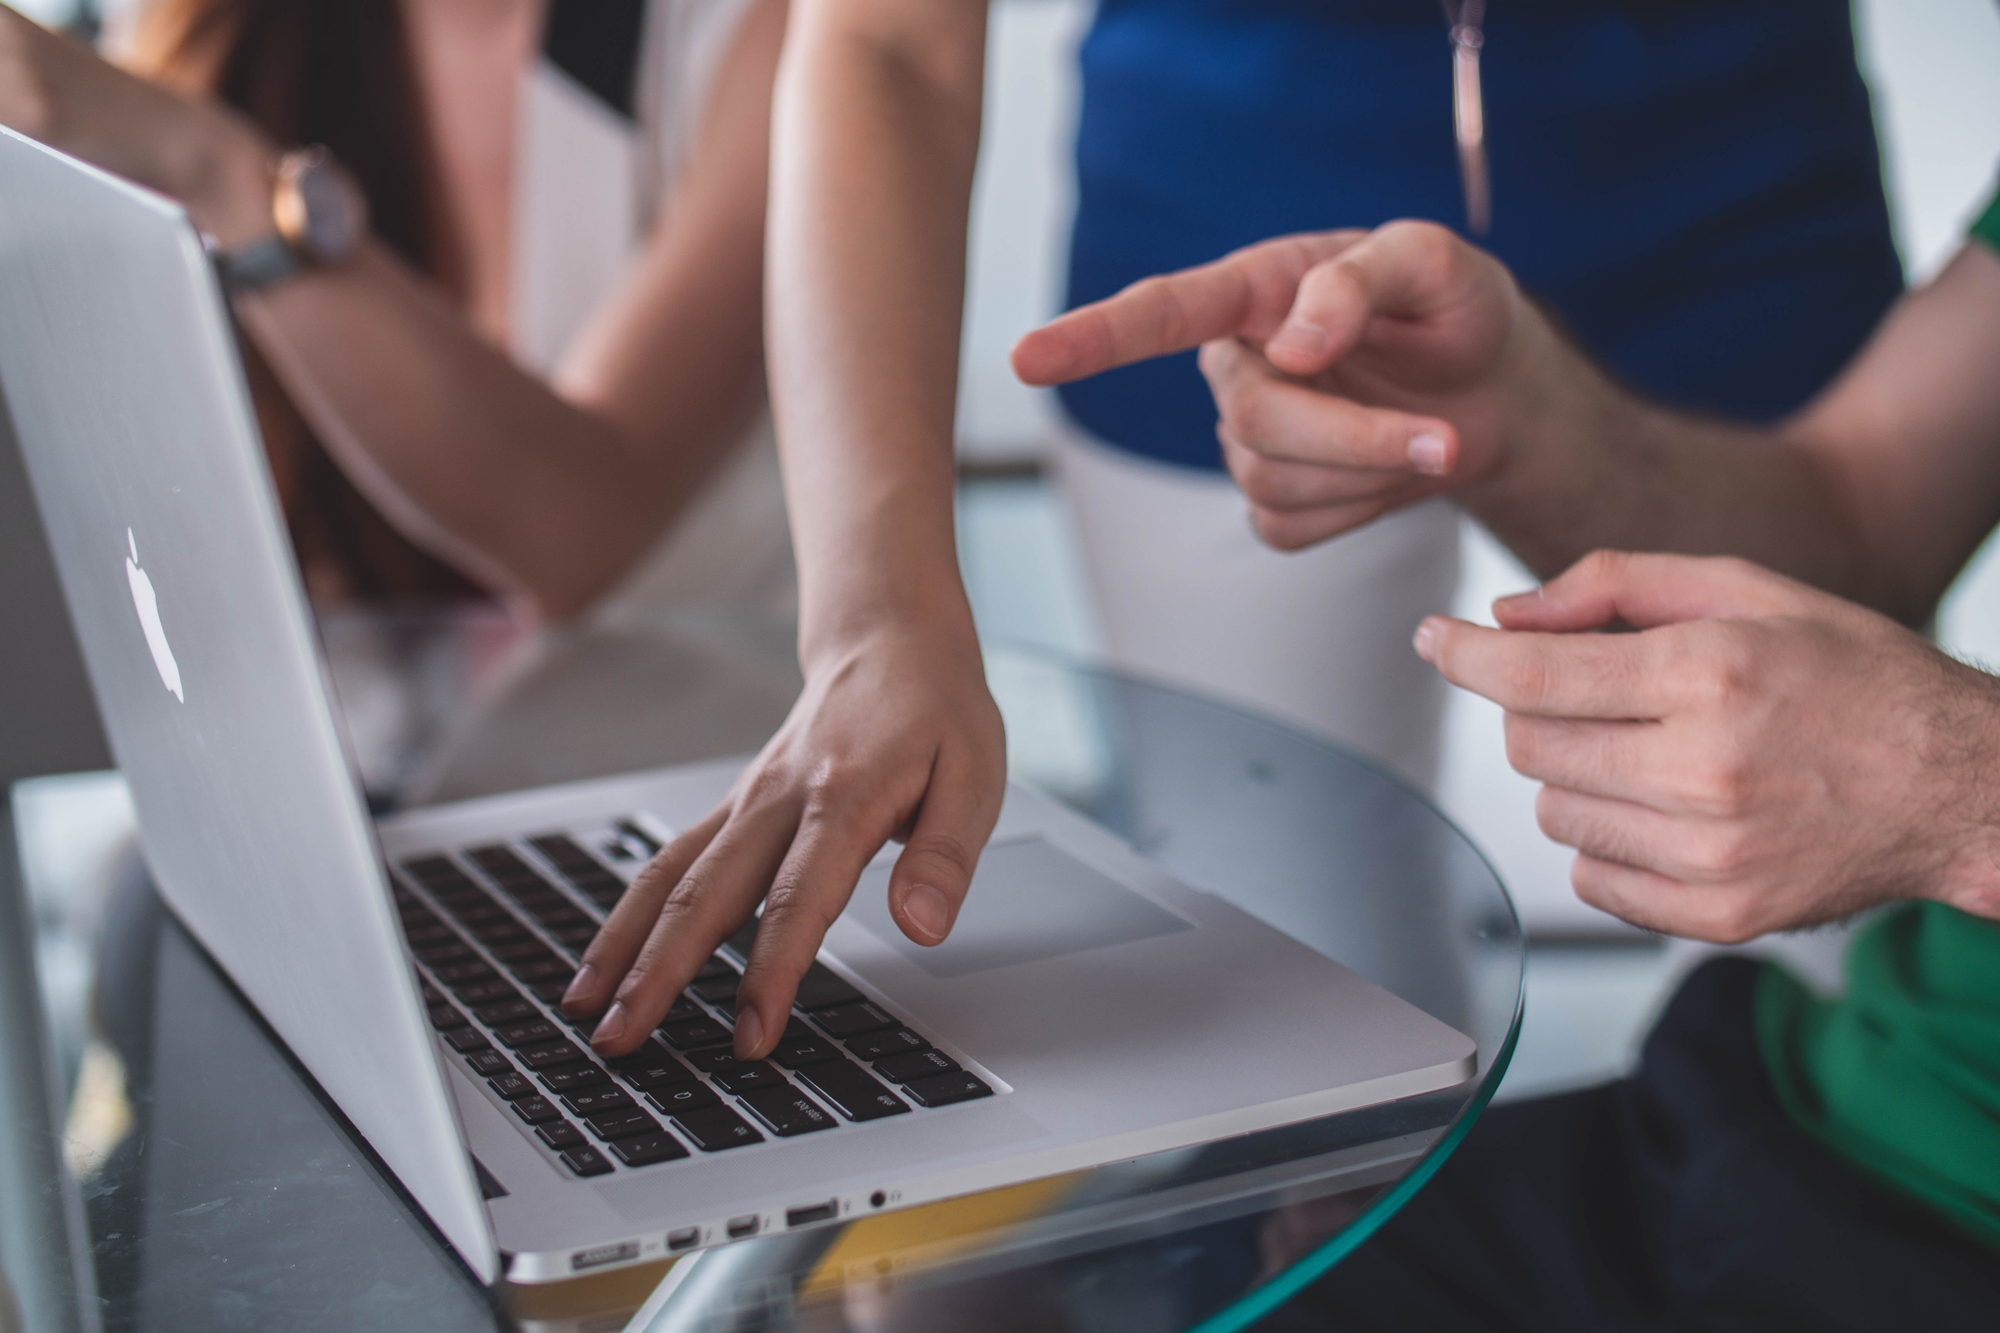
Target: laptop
(1088,1008)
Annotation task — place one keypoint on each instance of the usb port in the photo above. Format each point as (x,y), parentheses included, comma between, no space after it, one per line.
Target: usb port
(684,1239)
(811,1213)
(746,1225)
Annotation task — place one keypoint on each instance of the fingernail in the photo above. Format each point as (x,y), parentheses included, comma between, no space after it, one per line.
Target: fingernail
(928,911)
(1426,640)
(1427,453)
(613,1026)
(749,1033)
(579,985)
(1302,337)
(1516,598)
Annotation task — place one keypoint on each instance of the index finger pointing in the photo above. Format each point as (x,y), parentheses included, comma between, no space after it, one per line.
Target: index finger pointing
(1244,294)
(1548,675)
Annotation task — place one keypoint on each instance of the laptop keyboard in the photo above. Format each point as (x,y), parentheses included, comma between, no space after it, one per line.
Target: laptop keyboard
(497,934)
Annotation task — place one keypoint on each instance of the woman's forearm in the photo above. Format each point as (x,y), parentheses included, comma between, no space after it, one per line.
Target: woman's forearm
(876,132)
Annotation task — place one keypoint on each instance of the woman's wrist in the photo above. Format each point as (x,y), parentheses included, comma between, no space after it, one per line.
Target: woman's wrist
(1967,806)
(224,178)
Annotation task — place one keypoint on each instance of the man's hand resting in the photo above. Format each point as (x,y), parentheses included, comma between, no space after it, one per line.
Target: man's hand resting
(1339,362)
(1759,756)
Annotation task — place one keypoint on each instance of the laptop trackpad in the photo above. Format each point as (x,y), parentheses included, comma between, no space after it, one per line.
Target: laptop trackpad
(1030,900)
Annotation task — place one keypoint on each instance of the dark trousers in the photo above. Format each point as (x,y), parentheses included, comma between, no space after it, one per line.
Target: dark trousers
(1680,1198)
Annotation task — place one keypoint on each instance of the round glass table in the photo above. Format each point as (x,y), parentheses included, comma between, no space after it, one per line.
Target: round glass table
(191,1174)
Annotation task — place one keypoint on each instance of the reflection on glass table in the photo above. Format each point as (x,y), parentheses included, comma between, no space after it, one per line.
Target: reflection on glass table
(217,1188)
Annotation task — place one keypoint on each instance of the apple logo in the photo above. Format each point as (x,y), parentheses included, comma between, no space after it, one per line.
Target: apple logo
(149,620)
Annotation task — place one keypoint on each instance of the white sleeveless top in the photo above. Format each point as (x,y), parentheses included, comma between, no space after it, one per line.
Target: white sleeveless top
(591,180)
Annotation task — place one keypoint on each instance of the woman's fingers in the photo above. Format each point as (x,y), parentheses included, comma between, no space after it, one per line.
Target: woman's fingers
(811,889)
(934,871)
(712,900)
(616,946)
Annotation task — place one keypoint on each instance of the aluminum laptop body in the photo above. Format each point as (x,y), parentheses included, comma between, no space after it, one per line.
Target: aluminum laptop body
(1108,1010)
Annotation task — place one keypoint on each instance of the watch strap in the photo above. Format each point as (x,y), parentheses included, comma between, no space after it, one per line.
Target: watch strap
(257,265)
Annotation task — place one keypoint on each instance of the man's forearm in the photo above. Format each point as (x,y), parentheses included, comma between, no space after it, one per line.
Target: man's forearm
(875,142)
(1591,465)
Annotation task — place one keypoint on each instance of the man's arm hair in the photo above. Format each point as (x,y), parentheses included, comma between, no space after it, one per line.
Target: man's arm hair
(1879,489)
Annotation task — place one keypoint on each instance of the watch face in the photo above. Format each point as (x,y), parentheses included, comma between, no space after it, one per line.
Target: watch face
(319,209)
(333,221)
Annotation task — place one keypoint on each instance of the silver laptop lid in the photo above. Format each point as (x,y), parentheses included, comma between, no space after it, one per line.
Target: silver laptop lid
(119,368)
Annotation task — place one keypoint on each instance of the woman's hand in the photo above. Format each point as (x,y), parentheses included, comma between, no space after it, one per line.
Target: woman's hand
(62,93)
(1355,372)
(894,737)
(1760,756)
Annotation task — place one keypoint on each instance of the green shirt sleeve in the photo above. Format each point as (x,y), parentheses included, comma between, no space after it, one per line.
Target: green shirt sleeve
(1987,228)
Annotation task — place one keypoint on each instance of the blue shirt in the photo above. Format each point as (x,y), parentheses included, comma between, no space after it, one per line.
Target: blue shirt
(1692,184)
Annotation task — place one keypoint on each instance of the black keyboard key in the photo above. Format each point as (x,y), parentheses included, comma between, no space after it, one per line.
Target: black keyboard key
(513,1086)
(651,1067)
(535,1033)
(742,1078)
(945,1089)
(787,1111)
(889,1041)
(621,1124)
(549,968)
(498,935)
(466,1040)
(561,850)
(717,989)
(523,953)
(550,1056)
(710,1061)
(444,1018)
(585,1161)
(715,1128)
(425,868)
(684,1009)
(481,911)
(851,1020)
(488,1062)
(560,1134)
(550,992)
(673,1098)
(487,992)
(536,1110)
(429,936)
(697,1032)
(797,1054)
(916,1065)
(496,860)
(853,1092)
(569,1078)
(716,966)
(822,988)
(448,954)
(460,977)
(598,1100)
(515,1010)
(744,940)
(648,1149)
(574,938)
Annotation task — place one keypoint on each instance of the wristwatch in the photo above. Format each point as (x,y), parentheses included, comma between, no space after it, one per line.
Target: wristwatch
(320,215)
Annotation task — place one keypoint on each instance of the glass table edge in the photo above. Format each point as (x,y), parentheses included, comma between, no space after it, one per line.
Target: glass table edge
(1261,1300)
